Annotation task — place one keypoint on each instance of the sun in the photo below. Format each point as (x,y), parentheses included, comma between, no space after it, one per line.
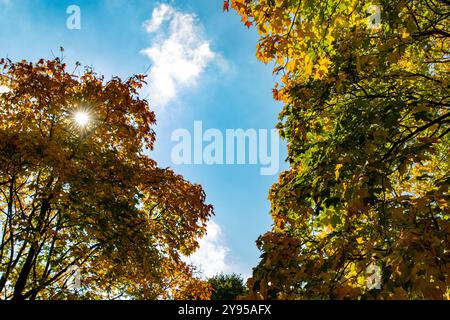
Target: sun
(81,118)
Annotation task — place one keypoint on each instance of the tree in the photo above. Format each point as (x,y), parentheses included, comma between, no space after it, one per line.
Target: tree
(80,197)
(366,119)
(226,286)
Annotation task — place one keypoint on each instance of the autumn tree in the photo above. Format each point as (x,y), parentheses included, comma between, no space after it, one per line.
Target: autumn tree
(366,118)
(79,196)
(226,286)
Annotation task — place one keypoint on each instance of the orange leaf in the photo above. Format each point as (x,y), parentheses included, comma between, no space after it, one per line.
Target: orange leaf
(226,4)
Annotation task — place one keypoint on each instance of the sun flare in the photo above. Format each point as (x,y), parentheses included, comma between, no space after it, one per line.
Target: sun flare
(81,118)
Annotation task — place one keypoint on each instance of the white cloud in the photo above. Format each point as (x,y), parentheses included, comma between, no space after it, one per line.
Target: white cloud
(179,53)
(212,256)
(159,14)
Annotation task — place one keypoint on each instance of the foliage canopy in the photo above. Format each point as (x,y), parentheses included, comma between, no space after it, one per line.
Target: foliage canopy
(366,118)
(86,198)
(226,286)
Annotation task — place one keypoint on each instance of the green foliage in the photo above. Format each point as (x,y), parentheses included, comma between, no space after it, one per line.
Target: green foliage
(226,287)
(366,117)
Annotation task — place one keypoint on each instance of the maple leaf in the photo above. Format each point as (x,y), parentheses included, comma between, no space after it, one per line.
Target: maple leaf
(226,4)
(275,93)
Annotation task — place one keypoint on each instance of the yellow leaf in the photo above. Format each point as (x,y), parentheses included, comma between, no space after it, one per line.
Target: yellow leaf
(290,66)
(337,170)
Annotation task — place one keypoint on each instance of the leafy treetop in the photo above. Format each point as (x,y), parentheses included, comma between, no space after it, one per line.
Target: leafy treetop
(366,118)
(86,198)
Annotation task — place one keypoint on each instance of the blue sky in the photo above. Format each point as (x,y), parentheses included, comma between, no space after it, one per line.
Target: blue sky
(218,82)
